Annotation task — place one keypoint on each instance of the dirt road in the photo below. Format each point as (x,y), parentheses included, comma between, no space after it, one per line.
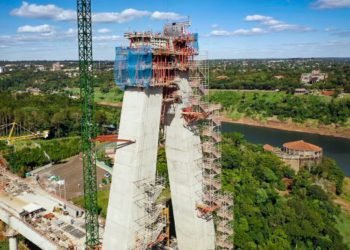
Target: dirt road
(72,172)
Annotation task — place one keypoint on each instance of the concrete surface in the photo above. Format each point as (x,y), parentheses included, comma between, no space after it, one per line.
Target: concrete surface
(140,119)
(44,233)
(72,172)
(13,243)
(184,158)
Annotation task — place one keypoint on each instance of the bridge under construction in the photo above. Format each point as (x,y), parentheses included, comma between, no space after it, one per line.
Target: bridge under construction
(166,87)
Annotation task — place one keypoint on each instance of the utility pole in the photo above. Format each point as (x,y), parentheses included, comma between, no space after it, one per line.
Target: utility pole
(88,129)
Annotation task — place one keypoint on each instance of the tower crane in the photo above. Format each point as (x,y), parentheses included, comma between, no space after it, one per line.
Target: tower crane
(21,135)
(88,128)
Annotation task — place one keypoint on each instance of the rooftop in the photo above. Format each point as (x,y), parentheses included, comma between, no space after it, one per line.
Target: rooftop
(302,146)
(268,147)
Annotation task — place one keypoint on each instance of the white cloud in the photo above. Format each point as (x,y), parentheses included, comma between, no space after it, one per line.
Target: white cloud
(157,15)
(104,30)
(331,4)
(45,28)
(49,11)
(71,31)
(269,24)
(220,33)
(340,33)
(116,17)
(290,27)
(267,20)
(329,29)
(238,32)
(106,38)
(38,37)
(275,25)
(53,12)
(214,26)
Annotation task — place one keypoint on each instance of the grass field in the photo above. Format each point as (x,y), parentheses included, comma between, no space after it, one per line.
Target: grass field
(102,201)
(114,94)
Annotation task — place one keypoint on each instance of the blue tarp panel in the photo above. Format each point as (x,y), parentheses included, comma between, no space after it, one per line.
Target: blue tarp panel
(194,44)
(120,66)
(133,67)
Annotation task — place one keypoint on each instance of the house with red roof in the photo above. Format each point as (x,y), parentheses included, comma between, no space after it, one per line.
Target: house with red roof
(298,154)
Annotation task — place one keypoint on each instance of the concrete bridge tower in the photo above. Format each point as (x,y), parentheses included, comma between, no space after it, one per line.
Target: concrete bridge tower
(163,86)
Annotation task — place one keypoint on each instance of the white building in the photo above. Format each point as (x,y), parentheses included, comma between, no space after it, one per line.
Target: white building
(313,77)
(56,66)
(40,67)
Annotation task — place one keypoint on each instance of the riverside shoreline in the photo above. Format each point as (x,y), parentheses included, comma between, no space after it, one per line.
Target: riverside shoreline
(291,126)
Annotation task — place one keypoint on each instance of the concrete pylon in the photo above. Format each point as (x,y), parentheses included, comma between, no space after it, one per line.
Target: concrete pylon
(184,158)
(13,243)
(12,237)
(140,121)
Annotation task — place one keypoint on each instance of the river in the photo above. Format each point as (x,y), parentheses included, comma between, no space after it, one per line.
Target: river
(336,148)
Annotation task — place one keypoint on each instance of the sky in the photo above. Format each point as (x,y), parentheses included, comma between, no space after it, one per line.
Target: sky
(228,29)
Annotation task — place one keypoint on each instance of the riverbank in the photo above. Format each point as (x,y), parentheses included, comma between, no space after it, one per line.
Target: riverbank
(292,126)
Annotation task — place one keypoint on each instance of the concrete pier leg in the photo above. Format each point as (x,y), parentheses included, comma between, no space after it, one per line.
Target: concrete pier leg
(11,235)
(184,156)
(140,119)
(13,243)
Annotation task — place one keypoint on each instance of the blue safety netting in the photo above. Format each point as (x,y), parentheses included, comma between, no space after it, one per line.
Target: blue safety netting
(133,67)
(120,66)
(194,44)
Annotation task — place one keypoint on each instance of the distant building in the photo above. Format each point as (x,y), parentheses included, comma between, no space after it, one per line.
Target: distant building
(56,66)
(40,67)
(71,72)
(2,69)
(223,77)
(33,91)
(278,77)
(298,154)
(74,97)
(313,77)
(301,91)
(110,152)
(328,92)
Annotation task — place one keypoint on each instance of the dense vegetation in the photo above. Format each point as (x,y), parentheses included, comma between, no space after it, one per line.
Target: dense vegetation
(224,74)
(57,113)
(269,214)
(265,218)
(32,155)
(44,80)
(284,106)
(25,75)
(277,74)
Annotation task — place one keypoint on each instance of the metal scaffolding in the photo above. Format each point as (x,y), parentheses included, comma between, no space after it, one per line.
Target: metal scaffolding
(161,59)
(202,115)
(152,225)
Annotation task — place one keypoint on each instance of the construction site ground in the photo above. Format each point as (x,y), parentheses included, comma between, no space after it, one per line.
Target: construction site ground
(52,221)
(71,172)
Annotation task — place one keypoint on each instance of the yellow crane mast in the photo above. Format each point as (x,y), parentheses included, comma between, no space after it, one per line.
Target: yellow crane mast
(27,134)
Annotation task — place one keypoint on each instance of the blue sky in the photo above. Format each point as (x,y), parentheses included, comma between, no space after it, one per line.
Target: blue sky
(46,29)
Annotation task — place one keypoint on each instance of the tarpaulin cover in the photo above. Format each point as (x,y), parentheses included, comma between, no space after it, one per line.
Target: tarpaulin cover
(133,67)
(194,44)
